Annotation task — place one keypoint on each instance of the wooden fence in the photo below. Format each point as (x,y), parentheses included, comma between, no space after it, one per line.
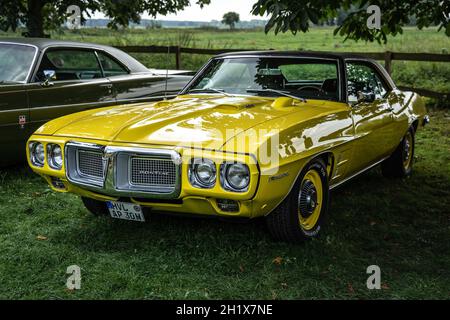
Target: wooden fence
(387,57)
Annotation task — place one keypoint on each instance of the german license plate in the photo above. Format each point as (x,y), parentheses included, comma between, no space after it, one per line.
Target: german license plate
(125,211)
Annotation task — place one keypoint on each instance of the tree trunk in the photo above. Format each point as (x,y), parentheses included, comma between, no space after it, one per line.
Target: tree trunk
(35,20)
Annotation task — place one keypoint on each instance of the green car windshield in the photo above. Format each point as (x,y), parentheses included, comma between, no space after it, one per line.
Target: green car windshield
(270,76)
(15,62)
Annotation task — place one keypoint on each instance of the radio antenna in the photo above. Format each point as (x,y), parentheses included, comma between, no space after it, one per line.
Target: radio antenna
(167,71)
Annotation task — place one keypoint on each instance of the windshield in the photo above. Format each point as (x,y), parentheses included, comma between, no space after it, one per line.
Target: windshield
(15,62)
(270,76)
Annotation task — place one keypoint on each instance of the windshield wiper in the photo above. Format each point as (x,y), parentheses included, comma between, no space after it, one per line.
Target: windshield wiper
(283,93)
(210,90)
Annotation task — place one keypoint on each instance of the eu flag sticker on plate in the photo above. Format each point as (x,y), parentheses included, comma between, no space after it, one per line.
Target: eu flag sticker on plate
(125,211)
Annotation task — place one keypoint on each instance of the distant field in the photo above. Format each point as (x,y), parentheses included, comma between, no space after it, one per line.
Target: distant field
(429,75)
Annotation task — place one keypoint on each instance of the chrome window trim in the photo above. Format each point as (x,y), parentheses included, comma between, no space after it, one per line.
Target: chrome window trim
(337,60)
(119,62)
(379,71)
(85,46)
(63,47)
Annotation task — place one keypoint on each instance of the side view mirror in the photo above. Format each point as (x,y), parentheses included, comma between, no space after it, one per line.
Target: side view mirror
(48,76)
(365,96)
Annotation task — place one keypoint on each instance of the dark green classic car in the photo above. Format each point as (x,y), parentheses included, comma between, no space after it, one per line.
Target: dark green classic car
(42,79)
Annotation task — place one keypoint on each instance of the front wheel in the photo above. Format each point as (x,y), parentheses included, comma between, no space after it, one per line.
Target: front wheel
(301,215)
(399,164)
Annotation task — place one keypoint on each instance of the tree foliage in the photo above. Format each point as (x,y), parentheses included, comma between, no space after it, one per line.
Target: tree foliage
(297,15)
(230,19)
(40,15)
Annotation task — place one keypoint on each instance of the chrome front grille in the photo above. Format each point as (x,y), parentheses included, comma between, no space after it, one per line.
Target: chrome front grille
(90,163)
(123,171)
(152,172)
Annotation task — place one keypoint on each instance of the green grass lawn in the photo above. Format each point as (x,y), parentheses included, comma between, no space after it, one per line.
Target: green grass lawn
(403,226)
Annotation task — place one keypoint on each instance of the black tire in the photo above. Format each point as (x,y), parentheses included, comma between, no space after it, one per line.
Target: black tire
(97,208)
(397,166)
(285,222)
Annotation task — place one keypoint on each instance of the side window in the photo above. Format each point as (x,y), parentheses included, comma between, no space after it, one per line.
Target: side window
(361,77)
(69,64)
(110,66)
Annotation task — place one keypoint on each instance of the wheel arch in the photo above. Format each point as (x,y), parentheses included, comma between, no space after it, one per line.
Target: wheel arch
(327,157)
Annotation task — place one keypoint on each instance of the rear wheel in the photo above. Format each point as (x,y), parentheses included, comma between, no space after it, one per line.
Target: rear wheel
(97,208)
(301,215)
(400,163)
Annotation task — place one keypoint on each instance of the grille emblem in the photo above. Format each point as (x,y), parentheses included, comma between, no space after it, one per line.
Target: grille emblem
(156,173)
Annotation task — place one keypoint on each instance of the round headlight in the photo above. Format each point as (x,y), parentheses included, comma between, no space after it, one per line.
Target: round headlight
(55,156)
(203,173)
(237,175)
(37,153)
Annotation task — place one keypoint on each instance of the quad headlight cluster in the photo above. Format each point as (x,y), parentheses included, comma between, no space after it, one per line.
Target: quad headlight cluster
(234,176)
(38,155)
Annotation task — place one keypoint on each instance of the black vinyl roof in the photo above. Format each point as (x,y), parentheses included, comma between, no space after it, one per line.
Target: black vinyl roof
(312,54)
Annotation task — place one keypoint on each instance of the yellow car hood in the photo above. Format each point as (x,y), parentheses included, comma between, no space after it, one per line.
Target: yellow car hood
(202,120)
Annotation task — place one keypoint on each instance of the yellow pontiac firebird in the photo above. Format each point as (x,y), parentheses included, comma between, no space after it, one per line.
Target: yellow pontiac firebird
(253,134)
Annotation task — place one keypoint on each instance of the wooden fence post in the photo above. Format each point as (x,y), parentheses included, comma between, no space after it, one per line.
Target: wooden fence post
(178,57)
(388,62)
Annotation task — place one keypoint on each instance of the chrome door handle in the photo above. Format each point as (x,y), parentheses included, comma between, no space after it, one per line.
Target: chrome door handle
(108,86)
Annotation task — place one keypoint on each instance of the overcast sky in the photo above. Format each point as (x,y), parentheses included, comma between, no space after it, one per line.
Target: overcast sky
(213,11)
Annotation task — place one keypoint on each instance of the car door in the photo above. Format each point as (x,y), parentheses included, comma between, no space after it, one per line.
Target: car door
(79,84)
(138,87)
(372,114)
(14,114)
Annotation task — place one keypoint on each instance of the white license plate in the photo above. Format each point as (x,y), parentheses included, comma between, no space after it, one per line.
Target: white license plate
(125,211)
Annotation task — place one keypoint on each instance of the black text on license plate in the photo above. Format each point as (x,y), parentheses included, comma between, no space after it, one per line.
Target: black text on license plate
(125,211)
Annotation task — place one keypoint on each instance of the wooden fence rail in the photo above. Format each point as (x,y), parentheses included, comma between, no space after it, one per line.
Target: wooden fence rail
(387,57)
